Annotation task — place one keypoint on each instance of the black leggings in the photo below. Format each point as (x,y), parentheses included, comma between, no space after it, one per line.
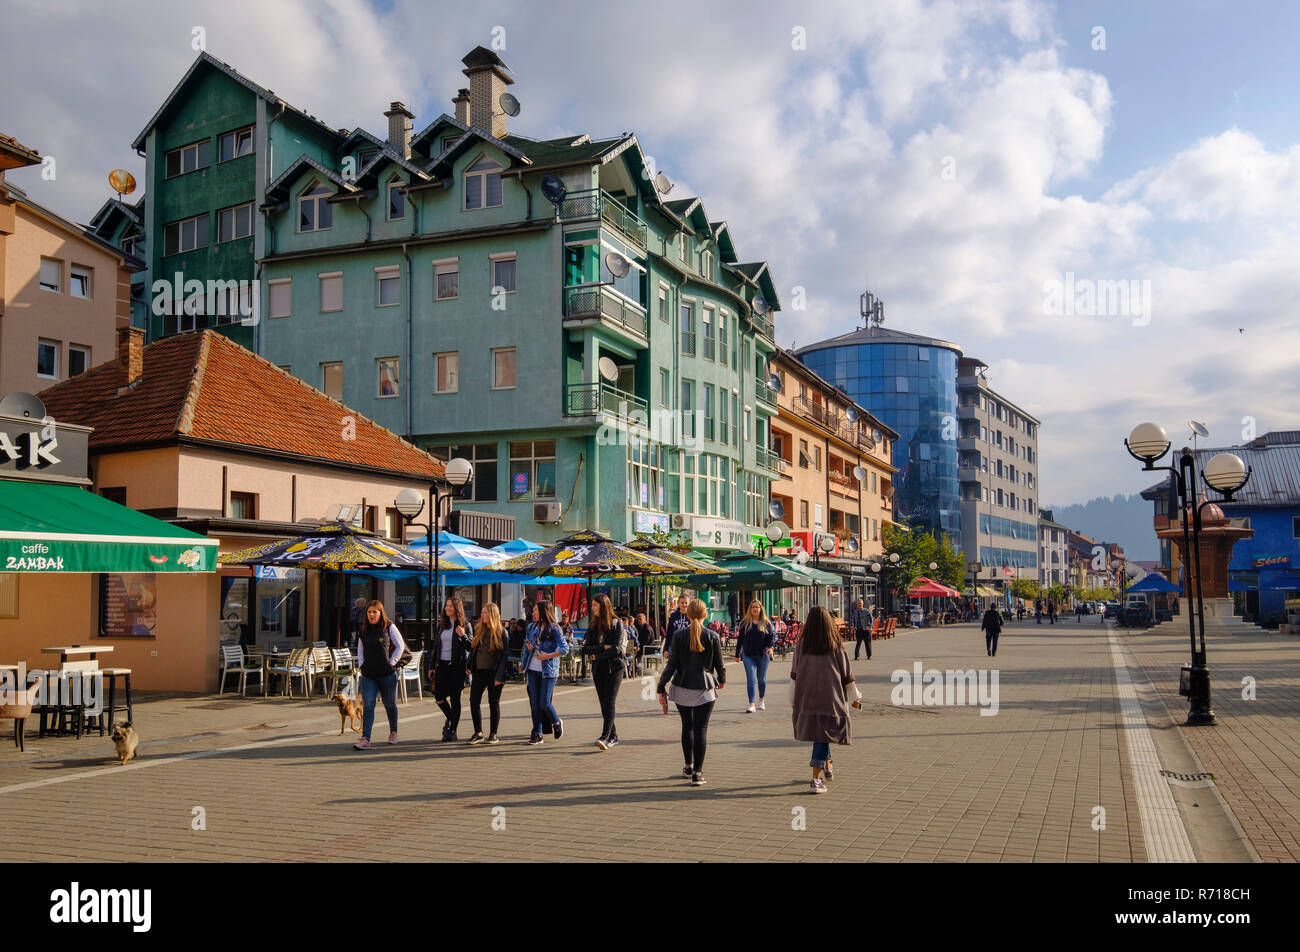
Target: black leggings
(448,682)
(608,677)
(695,731)
(991,639)
(485,678)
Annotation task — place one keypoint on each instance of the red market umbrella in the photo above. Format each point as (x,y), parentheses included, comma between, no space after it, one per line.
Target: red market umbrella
(928,588)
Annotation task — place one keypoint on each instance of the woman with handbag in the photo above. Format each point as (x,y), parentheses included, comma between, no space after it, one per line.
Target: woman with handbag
(379,649)
(488,672)
(544,645)
(693,675)
(822,675)
(604,645)
(451,658)
(754,644)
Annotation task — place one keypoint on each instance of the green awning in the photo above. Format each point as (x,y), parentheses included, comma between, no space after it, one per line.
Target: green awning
(750,574)
(817,575)
(53,527)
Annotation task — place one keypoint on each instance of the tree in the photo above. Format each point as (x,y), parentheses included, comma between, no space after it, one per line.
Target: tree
(669,539)
(1025,588)
(916,550)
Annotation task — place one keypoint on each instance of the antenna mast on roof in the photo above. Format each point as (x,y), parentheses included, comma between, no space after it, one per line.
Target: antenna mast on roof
(872,310)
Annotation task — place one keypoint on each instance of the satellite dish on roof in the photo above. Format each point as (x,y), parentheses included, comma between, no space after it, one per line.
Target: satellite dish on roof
(617,264)
(20,404)
(852,414)
(860,474)
(760,305)
(1200,429)
(122,181)
(608,369)
(509,104)
(775,509)
(663,183)
(554,189)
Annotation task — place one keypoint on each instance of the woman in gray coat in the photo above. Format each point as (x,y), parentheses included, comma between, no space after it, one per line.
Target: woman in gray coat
(823,682)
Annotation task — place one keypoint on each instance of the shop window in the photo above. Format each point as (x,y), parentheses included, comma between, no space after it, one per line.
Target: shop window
(532,470)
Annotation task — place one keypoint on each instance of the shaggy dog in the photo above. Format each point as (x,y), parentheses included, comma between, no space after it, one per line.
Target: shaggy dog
(126,740)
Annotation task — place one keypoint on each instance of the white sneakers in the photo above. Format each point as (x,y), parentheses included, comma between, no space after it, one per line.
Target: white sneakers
(750,709)
(762,705)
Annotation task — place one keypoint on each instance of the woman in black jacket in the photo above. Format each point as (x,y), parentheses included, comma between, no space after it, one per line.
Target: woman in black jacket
(992,627)
(604,646)
(488,671)
(697,672)
(450,656)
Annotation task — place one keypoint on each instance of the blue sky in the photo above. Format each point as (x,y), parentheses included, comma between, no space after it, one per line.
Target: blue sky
(1170,159)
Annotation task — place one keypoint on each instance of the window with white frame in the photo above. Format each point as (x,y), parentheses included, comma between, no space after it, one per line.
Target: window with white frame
(47,359)
(447,375)
(396,200)
(484,457)
(188,234)
(683,245)
(645,474)
(483,184)
(755,508)
(78,359)
(235,222)
(706,332)
(532,470)
(79,282)
(188,158)
(331,291)
(387,371)
(503,368)
(314,212)
(446,278)
(331,379)
(232,145)
(388,286)
(234,304)
(663,303)
(706,264)
(722,337)
(665,386)
(280,293)
(503,272)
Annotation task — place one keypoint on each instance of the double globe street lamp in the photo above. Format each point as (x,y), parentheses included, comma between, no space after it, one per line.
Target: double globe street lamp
(457,474)
(1226,474)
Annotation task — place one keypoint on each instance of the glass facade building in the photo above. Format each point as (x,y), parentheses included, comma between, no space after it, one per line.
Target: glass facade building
(910,382)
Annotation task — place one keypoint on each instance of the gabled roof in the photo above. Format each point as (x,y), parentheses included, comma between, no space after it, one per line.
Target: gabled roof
(433,128)
(722,235)
(115,208)
(469,140)
(387,156)
(204,387)
(569,150)
(78,231)
(15,155)
(208,61)
(290,175)
(756,275)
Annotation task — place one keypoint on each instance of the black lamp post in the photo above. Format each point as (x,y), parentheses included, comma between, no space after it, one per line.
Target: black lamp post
(825,544)
(879,569)
(457,474)
(775,532)
(1226,474)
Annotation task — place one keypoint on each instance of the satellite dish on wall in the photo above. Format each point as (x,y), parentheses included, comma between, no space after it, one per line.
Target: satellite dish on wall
(760,305)
(19,404)
(608,369)
(852,414)
(617,264)
(122,182)
(877,436)
(774,381)
(509,104)
(860,474)
(775,509)
(663,183)
(851,545)
(554,189)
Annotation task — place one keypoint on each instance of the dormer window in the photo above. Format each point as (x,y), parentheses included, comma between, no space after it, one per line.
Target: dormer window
(314,212)
(706,264)
(396,200)
(483,185)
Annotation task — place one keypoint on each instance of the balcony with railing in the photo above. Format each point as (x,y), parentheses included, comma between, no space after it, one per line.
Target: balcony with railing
(763,392)
(819,413)
(595,203)
(767,460)
(598,301)
(595,399)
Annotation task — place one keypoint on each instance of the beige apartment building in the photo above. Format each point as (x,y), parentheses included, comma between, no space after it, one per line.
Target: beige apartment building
(821,437)
(63,292)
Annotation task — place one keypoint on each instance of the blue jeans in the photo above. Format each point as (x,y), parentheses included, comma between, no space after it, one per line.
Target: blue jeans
(540,690)
(371,688)
(821,754)
(755,669)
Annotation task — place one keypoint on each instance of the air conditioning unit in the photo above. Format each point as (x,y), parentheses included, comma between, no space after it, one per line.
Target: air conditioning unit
(546,512)
(680,521)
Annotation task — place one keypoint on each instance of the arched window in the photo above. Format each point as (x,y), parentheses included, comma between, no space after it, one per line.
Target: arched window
(314,213)
(483,184)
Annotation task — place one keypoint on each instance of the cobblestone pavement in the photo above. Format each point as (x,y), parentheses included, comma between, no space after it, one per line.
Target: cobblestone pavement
(276,782)
(1254,750)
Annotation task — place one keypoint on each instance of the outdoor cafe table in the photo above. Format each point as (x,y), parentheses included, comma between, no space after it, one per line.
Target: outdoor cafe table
(64,651)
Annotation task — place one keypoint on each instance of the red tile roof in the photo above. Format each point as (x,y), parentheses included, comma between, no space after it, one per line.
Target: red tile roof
(204,386)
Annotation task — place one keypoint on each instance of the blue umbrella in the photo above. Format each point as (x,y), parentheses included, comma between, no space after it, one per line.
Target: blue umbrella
(1155,582)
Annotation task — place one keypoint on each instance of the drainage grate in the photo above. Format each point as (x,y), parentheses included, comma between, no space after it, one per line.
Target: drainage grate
(1195,780)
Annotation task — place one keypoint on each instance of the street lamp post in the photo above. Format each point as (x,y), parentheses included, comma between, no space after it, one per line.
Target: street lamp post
(457,474)
(825,545)
(1226,474)
(879,569)
(775,532)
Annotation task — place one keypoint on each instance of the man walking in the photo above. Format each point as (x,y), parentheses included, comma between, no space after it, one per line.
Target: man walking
(1051,610)
(992,627)
(1038,610)
(860,621)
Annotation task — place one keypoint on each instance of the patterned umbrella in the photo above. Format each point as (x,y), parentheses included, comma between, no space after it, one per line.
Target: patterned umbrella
(685,564)
(584,555)
(339,546)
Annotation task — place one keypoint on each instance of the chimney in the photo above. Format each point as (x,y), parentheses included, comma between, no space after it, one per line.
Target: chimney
(399,129)
(130,351)
(461,102)
(488,79)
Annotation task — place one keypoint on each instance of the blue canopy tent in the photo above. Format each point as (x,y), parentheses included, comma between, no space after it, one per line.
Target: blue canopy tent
(1154,582)
(1235,586)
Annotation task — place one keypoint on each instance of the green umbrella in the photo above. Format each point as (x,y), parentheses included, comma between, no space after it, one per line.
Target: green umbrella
(748,573)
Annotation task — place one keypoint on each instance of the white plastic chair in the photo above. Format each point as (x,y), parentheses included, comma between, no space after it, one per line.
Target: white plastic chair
(411,672)
(233,662)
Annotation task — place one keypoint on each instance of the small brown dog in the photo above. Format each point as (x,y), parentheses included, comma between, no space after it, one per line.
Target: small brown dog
(349,711)
(126,740)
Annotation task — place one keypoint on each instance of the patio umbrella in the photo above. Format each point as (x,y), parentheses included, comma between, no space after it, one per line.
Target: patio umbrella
(744,572)
(928,588)
(687,566)
(1153,583)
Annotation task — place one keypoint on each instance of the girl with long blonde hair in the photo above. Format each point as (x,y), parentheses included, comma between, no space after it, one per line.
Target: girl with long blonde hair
(692,677)
(487,671)
(754,647)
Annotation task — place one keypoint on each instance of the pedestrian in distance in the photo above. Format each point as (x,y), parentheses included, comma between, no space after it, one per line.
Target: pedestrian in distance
(755,640)
(487,672)
(860,621)
(692,677)
(1078,612)
(823,690)
(379,647)
(677,621)
(992,627)
(1051,610)
(543,646)
(358,619)
(1038,610)
(450,661)
(606,647)
(1020,610)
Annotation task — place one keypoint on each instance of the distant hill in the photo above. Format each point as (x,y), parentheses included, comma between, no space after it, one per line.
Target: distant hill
(1118,518)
